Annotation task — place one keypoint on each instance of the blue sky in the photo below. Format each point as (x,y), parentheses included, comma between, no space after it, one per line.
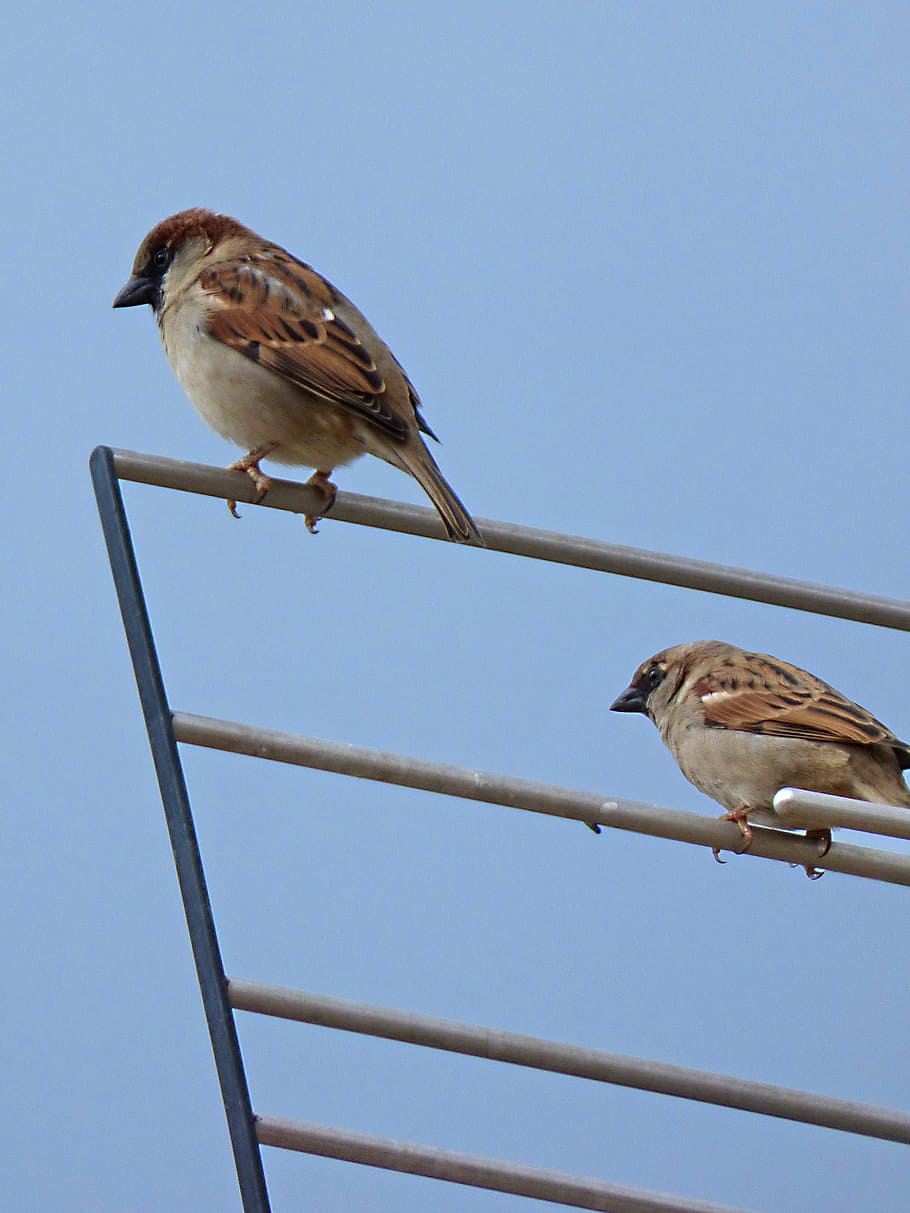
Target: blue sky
(647,266)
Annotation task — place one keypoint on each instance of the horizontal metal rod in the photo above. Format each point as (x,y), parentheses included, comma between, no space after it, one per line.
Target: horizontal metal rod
(526,541)
(475,1172)
(594,1064)
(589,807)
(795,804)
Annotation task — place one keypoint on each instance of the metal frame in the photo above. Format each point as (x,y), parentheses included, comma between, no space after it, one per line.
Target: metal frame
(222,997)
(199,920)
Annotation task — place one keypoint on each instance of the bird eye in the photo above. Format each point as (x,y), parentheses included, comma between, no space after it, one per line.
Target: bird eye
(161,257)
(654,675)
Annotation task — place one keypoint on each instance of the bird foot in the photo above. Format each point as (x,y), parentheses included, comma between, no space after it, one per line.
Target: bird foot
(320,480)
(250,464)
(824,837)
(741,817)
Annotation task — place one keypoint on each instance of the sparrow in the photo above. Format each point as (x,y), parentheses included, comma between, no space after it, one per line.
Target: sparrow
(743,725)
(278,361)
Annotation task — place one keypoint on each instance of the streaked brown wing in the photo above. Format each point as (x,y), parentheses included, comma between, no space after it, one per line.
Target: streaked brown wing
(771,696)
(278,312)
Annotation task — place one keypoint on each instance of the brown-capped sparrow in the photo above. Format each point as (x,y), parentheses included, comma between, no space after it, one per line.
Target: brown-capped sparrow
(278,361)
(743,725)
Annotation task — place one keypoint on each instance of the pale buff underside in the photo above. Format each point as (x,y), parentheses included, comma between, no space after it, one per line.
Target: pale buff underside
(253,407)
(739,768)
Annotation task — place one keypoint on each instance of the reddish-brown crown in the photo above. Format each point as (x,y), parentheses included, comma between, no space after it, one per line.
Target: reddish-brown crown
(187,225)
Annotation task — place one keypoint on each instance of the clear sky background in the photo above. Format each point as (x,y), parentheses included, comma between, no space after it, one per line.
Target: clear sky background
(647,265)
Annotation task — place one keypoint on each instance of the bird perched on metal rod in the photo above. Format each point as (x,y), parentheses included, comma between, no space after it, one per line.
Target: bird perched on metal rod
(743,725)
(278,361)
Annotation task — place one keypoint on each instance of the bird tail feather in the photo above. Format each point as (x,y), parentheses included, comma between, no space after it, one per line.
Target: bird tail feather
(419,463)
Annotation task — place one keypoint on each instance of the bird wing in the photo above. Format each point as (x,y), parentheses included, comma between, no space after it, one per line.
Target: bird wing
(280,313)
(771,696)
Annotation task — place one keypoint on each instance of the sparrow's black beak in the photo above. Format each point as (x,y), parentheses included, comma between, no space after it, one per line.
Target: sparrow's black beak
(631,700)
(135,291)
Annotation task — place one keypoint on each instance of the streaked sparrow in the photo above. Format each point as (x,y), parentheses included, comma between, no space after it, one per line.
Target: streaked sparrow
(743,725)
(278,361)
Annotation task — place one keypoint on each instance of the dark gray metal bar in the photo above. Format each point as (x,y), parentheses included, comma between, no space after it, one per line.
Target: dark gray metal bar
(528,541)
(640,1073)
(174,797)
(837,812)
(475,1172)
(589,807)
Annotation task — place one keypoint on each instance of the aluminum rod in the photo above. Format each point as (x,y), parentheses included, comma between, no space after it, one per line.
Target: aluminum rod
(182,832)
(527,541)
(475,1172)
(795,804)
(536,1053)
(589,807)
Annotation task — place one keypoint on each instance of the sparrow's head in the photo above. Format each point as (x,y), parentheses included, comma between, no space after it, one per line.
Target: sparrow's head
(657,681)
(172,247)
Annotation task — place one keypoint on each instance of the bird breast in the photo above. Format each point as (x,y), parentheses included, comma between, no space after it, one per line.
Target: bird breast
(250,405)
(747,769)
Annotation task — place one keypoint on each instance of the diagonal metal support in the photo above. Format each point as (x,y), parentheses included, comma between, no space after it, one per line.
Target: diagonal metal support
(722,1090)
(174,797)
(527,541)
(491,788)
(413,1159)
